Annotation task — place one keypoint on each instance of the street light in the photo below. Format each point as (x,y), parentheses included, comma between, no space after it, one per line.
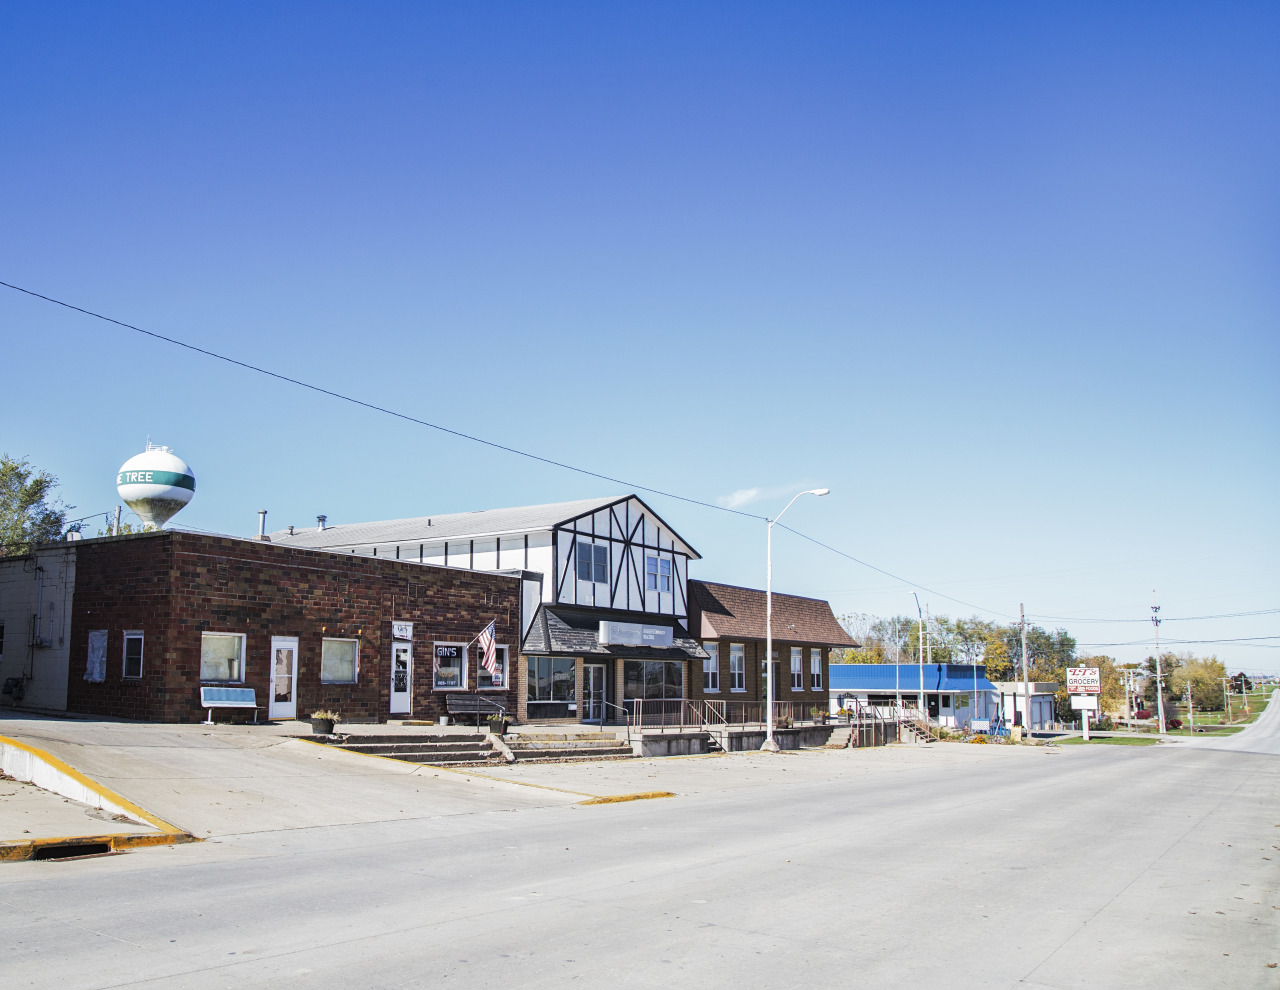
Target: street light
(920,710)
(769,745)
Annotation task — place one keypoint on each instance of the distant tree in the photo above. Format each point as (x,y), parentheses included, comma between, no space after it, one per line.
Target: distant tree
(29,512)
(1204,675)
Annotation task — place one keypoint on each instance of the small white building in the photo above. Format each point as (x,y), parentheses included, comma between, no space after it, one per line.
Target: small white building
(1010,702)
(955,694)
(36,592)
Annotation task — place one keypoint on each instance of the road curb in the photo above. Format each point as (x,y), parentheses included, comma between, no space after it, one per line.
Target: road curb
(32,765)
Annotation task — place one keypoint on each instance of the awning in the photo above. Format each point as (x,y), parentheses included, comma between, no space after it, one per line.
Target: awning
(565,630)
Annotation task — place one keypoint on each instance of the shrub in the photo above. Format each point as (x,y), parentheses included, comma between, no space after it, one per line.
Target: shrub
(1142,713)
(1174,723)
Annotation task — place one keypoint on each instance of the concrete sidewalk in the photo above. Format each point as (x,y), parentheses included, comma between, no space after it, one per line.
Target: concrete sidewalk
(228,779)
(27,813)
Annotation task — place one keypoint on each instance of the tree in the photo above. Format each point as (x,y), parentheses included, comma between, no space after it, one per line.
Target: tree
(29,512)
(1205,678)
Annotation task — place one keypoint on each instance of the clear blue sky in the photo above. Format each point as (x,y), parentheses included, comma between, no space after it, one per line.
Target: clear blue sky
(1002,276)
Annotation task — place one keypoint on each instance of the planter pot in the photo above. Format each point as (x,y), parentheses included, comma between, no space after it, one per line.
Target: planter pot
(498,728)
(322,726)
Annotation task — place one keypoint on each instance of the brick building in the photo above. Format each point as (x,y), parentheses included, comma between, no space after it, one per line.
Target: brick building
(156,615)
(729,622)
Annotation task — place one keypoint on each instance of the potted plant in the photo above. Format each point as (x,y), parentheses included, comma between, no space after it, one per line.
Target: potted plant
(322,721)
(498,723)
(819,715)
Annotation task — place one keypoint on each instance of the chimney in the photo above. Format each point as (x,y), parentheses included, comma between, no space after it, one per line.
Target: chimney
(290,529)
(262,525)
(320,523)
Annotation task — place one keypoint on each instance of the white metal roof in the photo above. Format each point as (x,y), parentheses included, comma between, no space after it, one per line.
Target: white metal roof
(429,529)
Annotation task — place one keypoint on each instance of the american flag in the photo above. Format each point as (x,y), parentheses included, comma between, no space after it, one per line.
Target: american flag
(487,643)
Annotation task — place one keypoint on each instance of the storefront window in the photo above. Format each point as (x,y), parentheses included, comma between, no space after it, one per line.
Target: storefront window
(551,679)
(449,669)
(498,679)
(653,679)
(338,661)
(222,657)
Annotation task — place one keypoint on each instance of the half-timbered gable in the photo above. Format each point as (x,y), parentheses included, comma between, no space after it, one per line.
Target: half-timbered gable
(621,556)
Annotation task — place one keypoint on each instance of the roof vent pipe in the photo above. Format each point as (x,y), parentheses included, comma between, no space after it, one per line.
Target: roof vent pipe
(262,525)
(291,529)
(320,523)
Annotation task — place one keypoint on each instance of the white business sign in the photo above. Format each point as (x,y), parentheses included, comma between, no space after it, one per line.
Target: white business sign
(1084,702)
(634,634)
(1084,680)
(401,630)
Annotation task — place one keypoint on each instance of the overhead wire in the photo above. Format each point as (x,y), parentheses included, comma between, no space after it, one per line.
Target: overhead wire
(374,407)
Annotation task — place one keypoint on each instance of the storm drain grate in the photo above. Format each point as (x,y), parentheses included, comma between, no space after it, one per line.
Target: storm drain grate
(73,850)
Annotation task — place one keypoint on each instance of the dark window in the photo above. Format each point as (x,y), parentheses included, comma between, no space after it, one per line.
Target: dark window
(133,654)
(593,563)
(486,679)
(551,679)
(653,679)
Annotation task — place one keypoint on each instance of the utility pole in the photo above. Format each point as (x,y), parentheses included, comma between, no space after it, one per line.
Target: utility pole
(897,670)
(1026,687)
(1226,695)
(1191,710)
(920,654)
(1155,621)
(928,645)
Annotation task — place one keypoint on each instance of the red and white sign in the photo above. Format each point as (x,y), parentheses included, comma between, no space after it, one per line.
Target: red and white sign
(1084,680)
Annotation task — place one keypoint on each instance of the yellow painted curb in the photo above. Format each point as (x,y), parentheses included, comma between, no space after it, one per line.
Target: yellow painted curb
(619,798)
(25,849)
(13,852)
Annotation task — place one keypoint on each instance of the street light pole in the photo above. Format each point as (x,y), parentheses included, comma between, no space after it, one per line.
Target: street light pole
(1155,621)
(769,745)
(920,655)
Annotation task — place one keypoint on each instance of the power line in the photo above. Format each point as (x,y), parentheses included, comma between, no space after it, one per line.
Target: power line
(382,409)
(1184,642)
(1182,618)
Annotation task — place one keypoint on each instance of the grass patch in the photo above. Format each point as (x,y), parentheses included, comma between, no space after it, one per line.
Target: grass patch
(1108,741)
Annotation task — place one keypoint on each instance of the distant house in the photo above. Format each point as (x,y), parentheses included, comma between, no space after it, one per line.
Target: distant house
(729,623)
(954,693)
(1011,702)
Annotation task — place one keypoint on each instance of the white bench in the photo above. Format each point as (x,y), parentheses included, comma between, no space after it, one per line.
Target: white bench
(228,697)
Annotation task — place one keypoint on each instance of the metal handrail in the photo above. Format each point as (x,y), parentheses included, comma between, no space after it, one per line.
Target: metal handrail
(626,717)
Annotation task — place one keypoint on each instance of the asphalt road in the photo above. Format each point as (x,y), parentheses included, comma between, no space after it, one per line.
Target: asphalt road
(963,866)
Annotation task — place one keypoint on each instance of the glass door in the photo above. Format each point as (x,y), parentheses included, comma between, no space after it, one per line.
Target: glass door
(593,692)
(284,678)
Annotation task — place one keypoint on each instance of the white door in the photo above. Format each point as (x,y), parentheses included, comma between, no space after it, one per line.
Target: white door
(401,678)
(284,678)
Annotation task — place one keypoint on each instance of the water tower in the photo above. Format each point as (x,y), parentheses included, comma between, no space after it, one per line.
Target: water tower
(155,484)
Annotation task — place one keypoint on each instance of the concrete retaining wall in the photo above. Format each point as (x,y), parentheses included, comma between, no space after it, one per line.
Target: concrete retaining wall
(22,763)
(671,744)
(742,740)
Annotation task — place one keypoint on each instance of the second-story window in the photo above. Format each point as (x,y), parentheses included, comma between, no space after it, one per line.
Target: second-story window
(711,667)
(593,563)
(657,574)
(737,667)
(815,669)
(797,672)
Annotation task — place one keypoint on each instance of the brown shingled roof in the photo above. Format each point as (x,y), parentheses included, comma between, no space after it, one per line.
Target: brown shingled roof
(726,610)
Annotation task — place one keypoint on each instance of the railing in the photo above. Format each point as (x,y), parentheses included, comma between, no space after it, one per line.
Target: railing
(626,721)
(868,726)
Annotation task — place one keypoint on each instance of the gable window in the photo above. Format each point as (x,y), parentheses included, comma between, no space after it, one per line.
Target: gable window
(339,660)
(657,574)
(815,669)
(222,657)
(737,667)
(593,563)
(797,669)
(711,667)
(497,681)
(132,654)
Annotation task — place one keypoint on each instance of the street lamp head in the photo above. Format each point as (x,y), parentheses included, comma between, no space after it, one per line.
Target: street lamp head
(818,491)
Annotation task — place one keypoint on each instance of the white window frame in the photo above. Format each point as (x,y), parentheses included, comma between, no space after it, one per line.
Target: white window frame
(240,660)
(466,656)
(657,574)
(711,669)
(504,655)
(355,663)
(124,654)
(815,669)
(797,668)
(737,668)
(597,550)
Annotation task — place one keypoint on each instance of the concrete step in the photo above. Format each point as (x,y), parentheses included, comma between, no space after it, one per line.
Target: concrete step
(839,738)
(560,755)
(521,742)
(414,746)
(437,758)
(415,737)
(561,737)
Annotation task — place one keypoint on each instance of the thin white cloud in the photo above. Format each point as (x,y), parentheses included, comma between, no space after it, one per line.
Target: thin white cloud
(746,496)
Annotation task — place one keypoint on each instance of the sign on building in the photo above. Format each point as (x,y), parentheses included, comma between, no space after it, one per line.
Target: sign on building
(1084,680)
(401,630)
(634,634)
